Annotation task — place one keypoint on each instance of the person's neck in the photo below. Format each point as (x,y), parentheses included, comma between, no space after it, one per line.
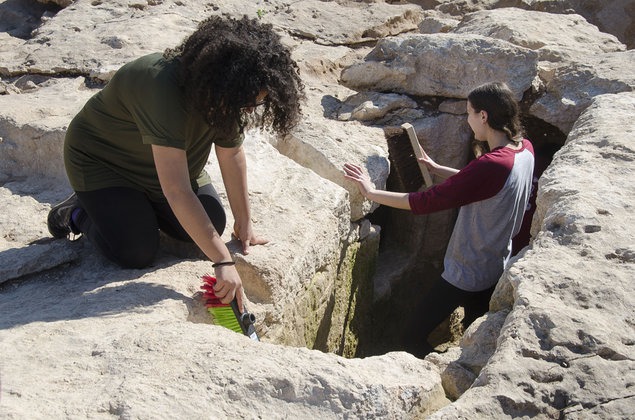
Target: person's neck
(497,138)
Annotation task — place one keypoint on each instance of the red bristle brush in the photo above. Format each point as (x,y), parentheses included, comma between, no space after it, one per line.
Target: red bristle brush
(227,314)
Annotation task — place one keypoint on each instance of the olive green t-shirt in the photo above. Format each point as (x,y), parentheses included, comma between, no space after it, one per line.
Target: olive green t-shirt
(108,144)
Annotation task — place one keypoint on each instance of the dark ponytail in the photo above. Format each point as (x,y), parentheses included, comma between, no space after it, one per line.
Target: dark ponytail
(503,112)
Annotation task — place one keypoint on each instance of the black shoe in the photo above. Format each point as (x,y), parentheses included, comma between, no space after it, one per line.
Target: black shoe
(59,218)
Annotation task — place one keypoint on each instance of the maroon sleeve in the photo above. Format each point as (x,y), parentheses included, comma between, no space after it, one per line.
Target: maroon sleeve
(482,178)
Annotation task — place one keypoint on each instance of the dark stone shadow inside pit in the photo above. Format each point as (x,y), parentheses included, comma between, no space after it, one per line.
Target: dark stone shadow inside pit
(19,18)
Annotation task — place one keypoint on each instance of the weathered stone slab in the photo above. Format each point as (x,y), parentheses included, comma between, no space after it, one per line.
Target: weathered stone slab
(572,88)
(106,40)
(323,142)
(74,44)
(109,343)
(33,125)
(344,23)
(304,216)
(26,247)
(34,258)
(307,220)
(372,106)
(613,17)
(448,65)
(554,37)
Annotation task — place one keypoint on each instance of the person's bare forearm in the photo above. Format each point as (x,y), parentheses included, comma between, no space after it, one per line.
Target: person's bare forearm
(172,170)
(388,198)
(444,171)
(192,216)
(233,168)
(356,174)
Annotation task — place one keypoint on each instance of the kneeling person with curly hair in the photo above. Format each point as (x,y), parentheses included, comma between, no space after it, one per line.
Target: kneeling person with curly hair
(135,154)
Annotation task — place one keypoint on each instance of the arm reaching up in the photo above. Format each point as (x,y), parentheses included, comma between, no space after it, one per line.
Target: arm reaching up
(439,170)
(367,189)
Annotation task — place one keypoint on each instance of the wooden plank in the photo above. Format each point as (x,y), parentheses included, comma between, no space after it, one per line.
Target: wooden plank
(412,135)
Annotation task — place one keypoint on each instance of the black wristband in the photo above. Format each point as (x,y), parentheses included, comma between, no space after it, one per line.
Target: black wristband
(220,264)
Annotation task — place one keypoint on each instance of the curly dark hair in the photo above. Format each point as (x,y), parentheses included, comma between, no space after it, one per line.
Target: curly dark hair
(227,62)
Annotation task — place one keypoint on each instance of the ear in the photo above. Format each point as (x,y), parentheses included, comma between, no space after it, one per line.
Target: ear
(484,116)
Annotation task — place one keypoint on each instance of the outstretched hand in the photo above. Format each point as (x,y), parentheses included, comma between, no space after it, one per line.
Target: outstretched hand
(245,234)
(388,198)
(356,173)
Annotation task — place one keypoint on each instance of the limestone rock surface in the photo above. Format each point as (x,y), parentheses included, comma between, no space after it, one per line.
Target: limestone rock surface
(81,338)
(554,37)
(573,86)
(612,17)
(442,65)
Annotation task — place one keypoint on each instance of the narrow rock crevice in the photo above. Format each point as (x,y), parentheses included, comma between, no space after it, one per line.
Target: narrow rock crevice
(411,268)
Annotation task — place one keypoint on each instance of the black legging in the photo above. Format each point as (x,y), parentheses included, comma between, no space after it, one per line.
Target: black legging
(435,307)
(124,223)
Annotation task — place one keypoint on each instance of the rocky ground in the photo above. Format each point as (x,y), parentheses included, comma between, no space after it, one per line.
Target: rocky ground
(81,338)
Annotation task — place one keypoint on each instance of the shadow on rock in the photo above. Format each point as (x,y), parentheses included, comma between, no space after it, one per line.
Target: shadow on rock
(89,286)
